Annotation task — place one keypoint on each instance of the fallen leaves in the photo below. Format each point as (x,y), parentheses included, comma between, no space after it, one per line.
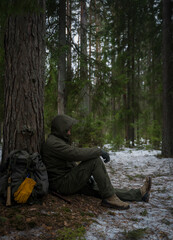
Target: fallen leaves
(53,214)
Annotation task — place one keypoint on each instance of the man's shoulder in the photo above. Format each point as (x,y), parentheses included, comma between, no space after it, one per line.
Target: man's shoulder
(52,139)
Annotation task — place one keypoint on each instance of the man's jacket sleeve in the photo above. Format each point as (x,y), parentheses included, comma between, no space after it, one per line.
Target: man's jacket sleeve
(70,153)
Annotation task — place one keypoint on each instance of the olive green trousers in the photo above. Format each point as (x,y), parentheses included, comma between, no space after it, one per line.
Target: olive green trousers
(76,181)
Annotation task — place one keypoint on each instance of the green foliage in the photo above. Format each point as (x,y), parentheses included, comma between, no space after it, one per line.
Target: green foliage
(135,234)
(74,88)
(3,220)
(166,222)
(154,133)
(115,137)
(144,213)
(117,143)
(89,132)
(66,209)
(71,234)
(130,177)
(19,222)
(148,129)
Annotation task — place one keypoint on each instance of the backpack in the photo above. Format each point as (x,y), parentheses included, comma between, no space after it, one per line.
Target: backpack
(19,165)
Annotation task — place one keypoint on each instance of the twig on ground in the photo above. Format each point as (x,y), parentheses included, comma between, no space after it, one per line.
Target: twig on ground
(60,196)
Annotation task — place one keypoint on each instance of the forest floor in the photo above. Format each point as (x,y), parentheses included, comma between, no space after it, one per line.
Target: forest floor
(82,217)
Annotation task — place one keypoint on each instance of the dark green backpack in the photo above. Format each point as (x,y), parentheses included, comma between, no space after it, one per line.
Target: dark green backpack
(19,165)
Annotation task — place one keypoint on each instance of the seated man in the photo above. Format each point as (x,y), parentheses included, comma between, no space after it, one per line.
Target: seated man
(66,177)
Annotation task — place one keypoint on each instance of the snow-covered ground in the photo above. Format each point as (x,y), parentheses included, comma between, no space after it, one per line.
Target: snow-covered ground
(128,168)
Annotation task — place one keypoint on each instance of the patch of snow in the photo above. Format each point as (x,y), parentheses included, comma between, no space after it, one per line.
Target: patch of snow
(35,232)
(128,168)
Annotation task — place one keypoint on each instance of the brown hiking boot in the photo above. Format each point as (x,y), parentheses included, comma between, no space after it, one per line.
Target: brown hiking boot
(145,189)
(115,202)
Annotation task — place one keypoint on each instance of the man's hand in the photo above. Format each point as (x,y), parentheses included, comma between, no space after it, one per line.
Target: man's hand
(105,156)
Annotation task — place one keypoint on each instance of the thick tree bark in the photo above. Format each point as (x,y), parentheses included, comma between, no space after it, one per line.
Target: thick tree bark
(62,57)
(0,132)
(24,82)
(167,138)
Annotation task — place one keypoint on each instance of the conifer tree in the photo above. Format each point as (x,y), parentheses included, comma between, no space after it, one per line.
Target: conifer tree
(24,78)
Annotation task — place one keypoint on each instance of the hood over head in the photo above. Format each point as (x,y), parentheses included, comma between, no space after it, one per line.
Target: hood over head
(61,124)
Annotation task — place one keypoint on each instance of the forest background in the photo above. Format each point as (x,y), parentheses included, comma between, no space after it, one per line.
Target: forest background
(106,63)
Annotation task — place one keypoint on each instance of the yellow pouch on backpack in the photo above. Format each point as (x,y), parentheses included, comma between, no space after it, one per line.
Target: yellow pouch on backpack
(24,190)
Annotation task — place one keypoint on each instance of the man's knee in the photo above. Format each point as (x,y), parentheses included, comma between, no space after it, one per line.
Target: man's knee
(98,165)
(96,161)
(99,161)
(90,164)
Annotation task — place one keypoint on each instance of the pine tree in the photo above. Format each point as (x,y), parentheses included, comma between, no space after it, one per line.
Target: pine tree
(24,78)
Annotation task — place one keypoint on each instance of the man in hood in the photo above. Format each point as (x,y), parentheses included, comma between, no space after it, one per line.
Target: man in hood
(67,178)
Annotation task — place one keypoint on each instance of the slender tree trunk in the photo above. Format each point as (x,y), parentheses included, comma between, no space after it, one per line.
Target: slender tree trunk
(113,86)
(90,53)
(138,100)
(98,48)
(130,86)
(132,129)
(78,45)
(62,57)
(24,83)
(83,62)
(167,138)
(69,67)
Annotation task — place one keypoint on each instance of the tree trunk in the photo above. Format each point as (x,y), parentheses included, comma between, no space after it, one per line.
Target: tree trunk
(129,129)
(131,79)
(24,82)
(62,57)
(97,44)
(0,132)
(83,62)
(167,138)
(69,67)
(132,129)
(90,52)
(113,86)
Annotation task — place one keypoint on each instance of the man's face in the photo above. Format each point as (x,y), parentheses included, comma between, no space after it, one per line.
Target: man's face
(69,132)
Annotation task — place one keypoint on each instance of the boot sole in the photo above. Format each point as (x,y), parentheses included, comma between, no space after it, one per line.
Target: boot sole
(146,196)
(108,205)
(149,184)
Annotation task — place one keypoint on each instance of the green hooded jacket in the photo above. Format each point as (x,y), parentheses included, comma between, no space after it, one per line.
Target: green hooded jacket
(58,155)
